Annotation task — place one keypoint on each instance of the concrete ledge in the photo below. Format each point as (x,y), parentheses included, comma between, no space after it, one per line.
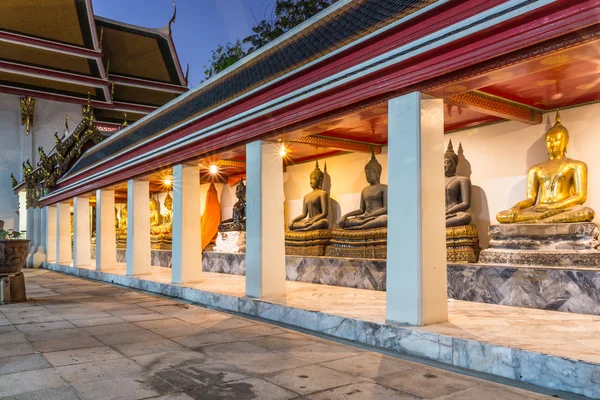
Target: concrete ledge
(569,375)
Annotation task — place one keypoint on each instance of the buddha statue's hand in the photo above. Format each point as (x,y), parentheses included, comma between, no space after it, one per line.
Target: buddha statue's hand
(513,212)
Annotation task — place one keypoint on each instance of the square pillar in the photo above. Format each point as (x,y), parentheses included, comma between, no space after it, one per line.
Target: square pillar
(37,226)
(265,245)
(30,229)
(81,240)
(50,233)
(187,249)
(64,254)
(416,253)
(138,227)
(106,237)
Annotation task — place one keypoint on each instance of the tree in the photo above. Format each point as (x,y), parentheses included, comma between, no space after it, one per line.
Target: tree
(286,15)
(223,57)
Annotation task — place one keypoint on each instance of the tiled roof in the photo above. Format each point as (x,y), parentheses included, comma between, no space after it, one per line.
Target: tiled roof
(345,25)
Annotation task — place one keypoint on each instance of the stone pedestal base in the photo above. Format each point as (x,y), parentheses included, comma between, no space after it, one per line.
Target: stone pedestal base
(231,242)
(368,243)
(161,242)
(312,243)
(564,245)
(12,289)
(462,244)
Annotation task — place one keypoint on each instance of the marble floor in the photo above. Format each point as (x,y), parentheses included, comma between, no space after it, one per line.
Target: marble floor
(556,333)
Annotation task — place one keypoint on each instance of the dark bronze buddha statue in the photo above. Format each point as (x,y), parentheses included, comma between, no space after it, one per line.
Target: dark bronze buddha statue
(238,220)
(373,202)
(458,192)
(315,206)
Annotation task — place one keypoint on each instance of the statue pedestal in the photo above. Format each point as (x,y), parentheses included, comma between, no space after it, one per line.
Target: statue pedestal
(561,245)
(462,244)
(231,242)
(161,242)
(367,243)
(311,243)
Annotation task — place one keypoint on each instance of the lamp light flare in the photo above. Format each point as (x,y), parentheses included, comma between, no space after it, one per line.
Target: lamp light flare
(167,182)
(283,151)
(213,169)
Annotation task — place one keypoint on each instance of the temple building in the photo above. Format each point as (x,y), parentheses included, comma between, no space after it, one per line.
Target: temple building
(419,176)
(57,55)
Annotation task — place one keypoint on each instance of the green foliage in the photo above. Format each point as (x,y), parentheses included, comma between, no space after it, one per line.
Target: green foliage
(286,15)
(9,234)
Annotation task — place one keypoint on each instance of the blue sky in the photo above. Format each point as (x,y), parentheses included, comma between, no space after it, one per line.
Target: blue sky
(200,27)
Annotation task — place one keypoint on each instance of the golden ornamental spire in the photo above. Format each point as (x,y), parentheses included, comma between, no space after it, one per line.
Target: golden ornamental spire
(27,108)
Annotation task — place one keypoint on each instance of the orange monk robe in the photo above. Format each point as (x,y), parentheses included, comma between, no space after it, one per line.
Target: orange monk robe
(211,218)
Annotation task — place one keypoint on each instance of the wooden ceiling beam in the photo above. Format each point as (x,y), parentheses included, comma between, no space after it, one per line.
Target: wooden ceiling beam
(497,106)
(339,144)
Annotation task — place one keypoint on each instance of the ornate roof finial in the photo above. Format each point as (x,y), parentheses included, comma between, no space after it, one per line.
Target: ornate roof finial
(101,38)
(124,124)
(66,132)
(173,17)
(112,91)
(107,66)
(187,74)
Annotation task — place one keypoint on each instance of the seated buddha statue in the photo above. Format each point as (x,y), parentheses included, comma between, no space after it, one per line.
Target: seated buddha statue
(166,227)
(315,206)
(458,191)
(373,202)
(154,216)
(556,188)
(238,220)
(123,221)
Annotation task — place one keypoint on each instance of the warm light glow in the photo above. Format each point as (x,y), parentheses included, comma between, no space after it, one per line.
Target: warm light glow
(167,182)
(283,151)
(213,169)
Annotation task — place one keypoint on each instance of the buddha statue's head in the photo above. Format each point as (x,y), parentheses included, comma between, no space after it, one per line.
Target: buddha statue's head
(316,177)
(373,170)
(557,139)
(450,160)
(169,202)
(152,204)
(124,212)
(240,191)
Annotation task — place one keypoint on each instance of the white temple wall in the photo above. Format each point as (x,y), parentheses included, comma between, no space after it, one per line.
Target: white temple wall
(497,158)
(17,147)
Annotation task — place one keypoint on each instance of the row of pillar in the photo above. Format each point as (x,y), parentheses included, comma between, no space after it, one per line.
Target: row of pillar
(416,262)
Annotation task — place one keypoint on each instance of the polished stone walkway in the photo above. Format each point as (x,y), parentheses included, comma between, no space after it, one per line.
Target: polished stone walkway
(90,340)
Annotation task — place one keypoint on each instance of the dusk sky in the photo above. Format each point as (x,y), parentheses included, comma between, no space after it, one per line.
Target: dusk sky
(200,27)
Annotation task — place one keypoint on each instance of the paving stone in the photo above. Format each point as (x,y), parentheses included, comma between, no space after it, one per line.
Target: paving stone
(310,379)
(253,359)
(114,328)
(7,328)
(59,393)
(61,344)
(245,389)
(143,317)
(80,356)
(147,347)
(44,326)
(29,381)
(320,352)
(66,334)
(491,391)
(362,391)
(170,359)
(202,339)
(130,388)
(369,365)
(117,338)
(201,376)
(162,323)
(28,362)
(427,382)
(97,321)
(100,371)
(11,338)
(16,349)
(283,341)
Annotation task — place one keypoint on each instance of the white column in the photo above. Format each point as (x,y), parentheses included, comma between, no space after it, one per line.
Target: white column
(51,233)
(64,252)
(30,230)
(81,240)
(265,246)
(138,227)
(187,249)
(106,238)
(37,227)
(416,252)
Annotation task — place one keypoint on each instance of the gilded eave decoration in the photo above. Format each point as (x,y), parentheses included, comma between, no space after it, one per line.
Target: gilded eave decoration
(27,108)
(52,166)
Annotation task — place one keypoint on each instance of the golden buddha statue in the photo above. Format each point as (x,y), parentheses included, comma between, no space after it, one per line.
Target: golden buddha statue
(154,215)
(315,206)
(373,202)
(123,220)
(556,188)
(166,227)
